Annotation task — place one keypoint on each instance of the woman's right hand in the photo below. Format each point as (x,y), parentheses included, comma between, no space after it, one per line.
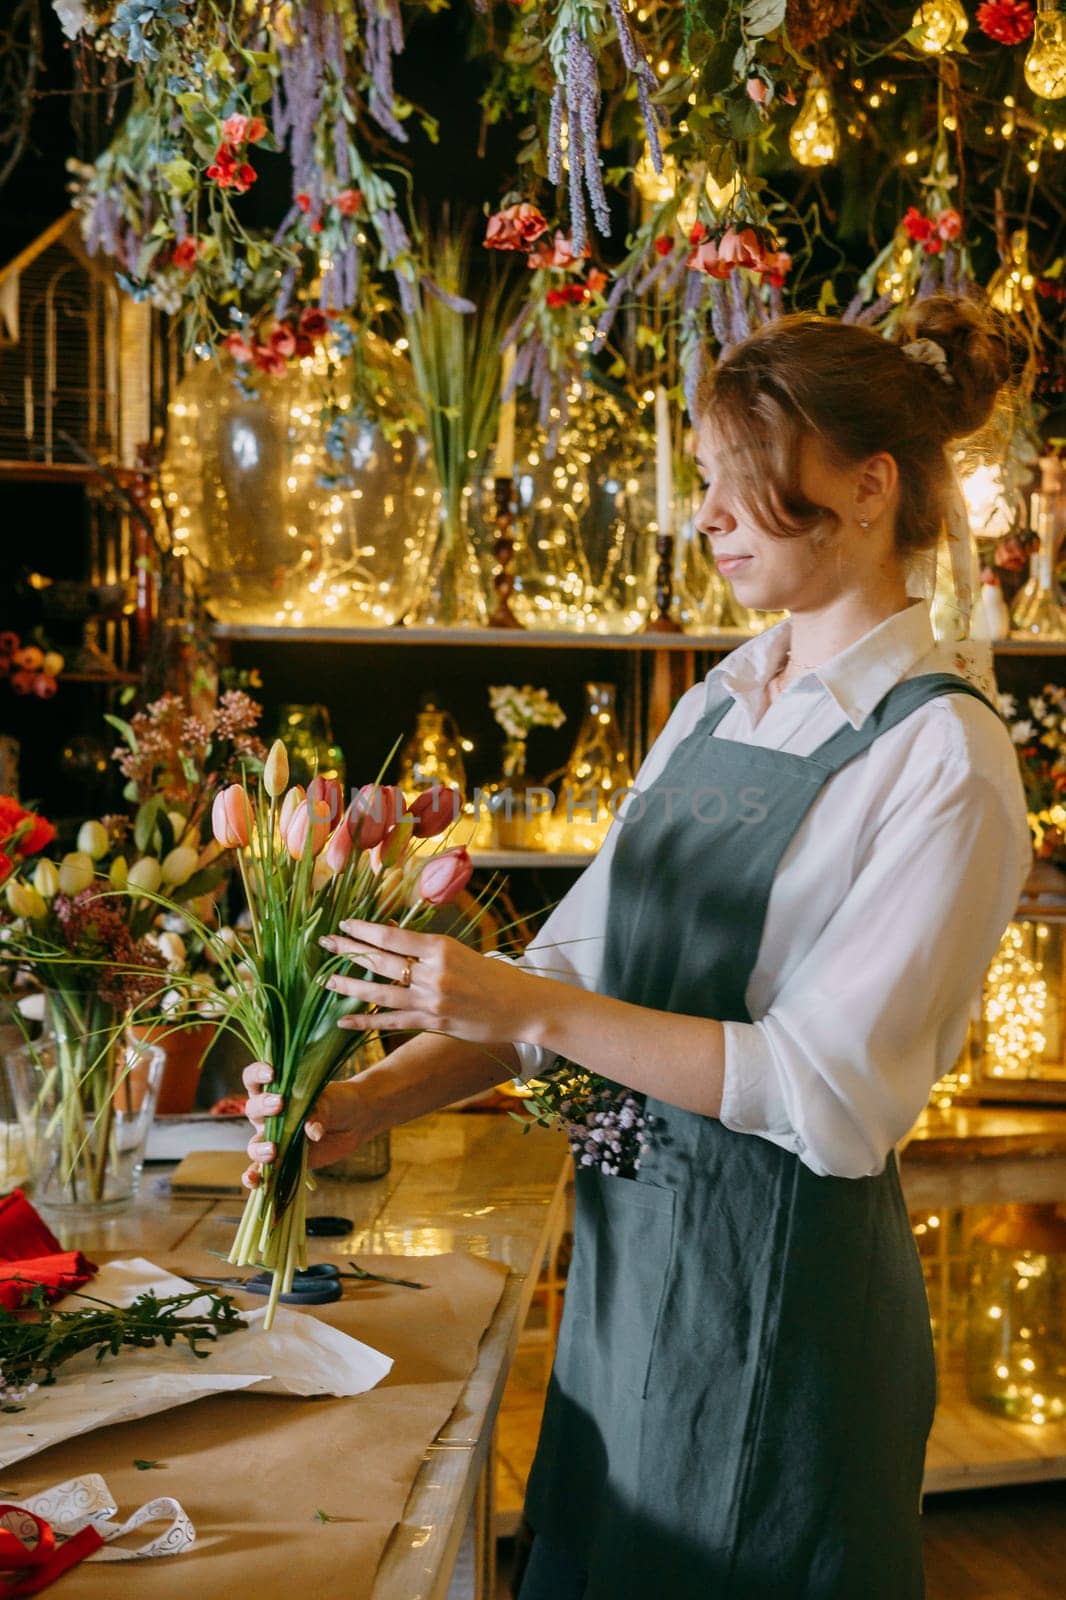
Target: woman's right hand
(336,1128)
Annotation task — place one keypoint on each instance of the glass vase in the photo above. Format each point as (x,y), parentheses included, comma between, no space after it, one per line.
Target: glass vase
(433,753)
(1038,607)
(513,803)
(1016,1316)
(451,591)
(307,734)
(84,1127)
(595,778)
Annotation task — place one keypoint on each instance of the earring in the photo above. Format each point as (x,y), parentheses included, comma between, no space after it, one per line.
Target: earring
(864,522)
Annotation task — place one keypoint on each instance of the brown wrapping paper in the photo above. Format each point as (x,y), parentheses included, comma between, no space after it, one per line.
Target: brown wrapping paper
(253,1471)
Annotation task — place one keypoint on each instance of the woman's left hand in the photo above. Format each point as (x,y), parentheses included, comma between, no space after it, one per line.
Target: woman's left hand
(432,982)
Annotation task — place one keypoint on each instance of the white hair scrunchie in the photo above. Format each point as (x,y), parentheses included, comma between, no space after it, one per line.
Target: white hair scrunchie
(929,354)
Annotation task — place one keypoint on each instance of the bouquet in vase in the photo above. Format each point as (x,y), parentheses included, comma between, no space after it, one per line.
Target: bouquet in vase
(308,864)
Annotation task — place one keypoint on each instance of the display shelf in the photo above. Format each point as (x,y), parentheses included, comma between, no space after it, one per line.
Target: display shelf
(715,639)
(970,1448)
(531,858)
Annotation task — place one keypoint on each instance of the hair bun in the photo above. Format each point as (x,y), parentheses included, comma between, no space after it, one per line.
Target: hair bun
(978,357)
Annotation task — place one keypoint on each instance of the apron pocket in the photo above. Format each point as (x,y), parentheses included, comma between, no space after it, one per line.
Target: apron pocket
(623,1247)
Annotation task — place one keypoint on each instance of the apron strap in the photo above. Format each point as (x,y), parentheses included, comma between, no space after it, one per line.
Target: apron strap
(903,698)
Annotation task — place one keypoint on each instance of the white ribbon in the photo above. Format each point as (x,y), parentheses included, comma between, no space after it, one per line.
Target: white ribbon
(69,1507)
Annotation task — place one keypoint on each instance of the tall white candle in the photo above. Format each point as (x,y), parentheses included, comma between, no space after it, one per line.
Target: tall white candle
(664,463)
(505,432)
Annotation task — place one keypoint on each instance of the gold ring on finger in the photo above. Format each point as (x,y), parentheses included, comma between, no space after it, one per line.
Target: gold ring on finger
(408,963)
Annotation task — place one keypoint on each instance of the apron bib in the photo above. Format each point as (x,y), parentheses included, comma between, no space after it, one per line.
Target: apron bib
(744,1381)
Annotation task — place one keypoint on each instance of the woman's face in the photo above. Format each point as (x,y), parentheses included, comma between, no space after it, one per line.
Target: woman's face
(771,573)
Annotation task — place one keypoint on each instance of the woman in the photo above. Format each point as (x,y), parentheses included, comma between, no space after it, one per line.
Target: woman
(778,948)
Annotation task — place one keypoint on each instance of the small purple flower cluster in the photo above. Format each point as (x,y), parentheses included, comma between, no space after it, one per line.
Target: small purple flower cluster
(609,1130)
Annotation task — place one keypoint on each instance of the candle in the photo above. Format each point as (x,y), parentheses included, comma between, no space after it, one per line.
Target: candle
(664,464)
(505,434)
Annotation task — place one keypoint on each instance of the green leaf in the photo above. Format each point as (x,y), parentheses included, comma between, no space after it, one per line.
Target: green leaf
(744,118)
(324,1516)
(203,882)
(146,1466)
(123,728)
(144,824)
(827,297)
(764,16)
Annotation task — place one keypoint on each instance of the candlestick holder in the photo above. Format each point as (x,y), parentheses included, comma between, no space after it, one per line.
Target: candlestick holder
(661,621)
(503,549)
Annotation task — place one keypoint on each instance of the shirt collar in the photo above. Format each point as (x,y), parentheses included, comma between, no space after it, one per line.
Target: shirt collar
(857,678)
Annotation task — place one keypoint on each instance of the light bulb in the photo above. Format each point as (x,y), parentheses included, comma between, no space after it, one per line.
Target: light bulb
(814,138)
(1011,285)
(1045,65)
(940,25)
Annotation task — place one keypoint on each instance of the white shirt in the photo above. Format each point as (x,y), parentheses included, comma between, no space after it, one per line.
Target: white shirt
(886,910)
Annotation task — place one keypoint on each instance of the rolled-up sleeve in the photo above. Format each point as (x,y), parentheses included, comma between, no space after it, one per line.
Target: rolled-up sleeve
(841,1065)
(570,944)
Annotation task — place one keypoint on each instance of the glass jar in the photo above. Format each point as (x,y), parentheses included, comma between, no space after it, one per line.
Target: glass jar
(307,734)
(373,1159)
(433,753)
(1023,1038)
(1016,1315)
(1038,609)
(451,589)
(595,778)
(513,802)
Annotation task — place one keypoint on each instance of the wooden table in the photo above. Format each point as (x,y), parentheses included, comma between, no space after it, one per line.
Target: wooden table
(976,1156)
(459,1181)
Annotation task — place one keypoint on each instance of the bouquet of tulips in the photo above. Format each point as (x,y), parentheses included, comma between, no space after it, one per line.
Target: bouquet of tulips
(308,863)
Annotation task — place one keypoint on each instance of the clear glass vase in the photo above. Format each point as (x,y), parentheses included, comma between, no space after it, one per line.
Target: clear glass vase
(1016,1318)
(433,753)
(84,1099)
(513,803)
(451,593)
(1038,608)
(307,734)
(595,778)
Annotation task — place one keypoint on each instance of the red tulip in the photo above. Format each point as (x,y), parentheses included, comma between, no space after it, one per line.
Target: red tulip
(434,810)
(309,826)
(44,687)
(373,811)
(445,877)
(329,790)
(339,848)
(231,817)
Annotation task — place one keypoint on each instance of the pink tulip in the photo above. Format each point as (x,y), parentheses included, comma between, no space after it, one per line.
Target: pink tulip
(339,848)
(329,790)
(308,829)
(756,91)
(434,810)
(294,798)
(445,877)
(231,817)
(373,811)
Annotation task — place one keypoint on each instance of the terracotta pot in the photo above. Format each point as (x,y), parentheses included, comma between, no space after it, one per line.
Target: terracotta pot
(184,1049)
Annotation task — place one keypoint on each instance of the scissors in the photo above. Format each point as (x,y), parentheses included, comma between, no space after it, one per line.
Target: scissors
(318,1285)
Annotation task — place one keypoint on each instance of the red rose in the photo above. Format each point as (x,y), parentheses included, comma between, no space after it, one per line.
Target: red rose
(7,867)
(184,254)
(1006,21)
(559,253)
(238,347)
(303,200)
(268,360)
(245,177)
(256,130)
(515,227)
(663,245)
(949,223)
(918,227)
(556,297)
(705,258)
(283,339)
(348,201)
(224,167)
(45,686)
(314,323)
(933,247)
(304,346)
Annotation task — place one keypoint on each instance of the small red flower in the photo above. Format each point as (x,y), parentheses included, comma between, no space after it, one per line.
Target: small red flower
(663,245)
(597,280)
(556,297)
(314,323)
(304,346)
(238,347)
(184,254)
(949,223)
(45,686)
(224,167)
(303,200)
(244,178)
(348,201)
(268,360)
(9,643)
(515,227)
(918,227)
(283,339)
(933,247)
(7,867)
(1006,21)
(698,234)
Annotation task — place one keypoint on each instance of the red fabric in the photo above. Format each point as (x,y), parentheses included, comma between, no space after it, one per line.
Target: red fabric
(31,1253)
(59,1274)
(22,1233)
(27,1569)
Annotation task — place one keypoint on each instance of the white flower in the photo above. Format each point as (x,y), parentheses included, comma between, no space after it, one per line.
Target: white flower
(74,18)
(1007,705)
(1039,709)
(1021,732)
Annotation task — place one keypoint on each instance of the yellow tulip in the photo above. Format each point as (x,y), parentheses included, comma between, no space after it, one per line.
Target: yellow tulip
(46,878)
(93,840)
(24,901)
(76,872)
(145,874)
(179,864)
(276,770)
(118,873)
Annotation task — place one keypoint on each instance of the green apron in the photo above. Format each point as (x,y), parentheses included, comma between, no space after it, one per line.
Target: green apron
(744,1382)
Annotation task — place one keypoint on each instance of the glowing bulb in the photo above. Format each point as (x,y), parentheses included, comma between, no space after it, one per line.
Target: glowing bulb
(814,138)
(1010,284)
(1045,65)
(939,25)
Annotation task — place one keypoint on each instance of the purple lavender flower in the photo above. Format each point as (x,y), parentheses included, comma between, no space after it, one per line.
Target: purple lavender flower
(555,136)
